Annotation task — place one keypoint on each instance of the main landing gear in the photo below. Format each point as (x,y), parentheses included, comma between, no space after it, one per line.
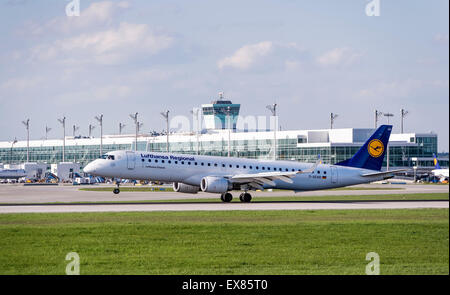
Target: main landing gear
(244,197)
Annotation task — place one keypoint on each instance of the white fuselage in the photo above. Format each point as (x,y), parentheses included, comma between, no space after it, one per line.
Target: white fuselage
(190,169)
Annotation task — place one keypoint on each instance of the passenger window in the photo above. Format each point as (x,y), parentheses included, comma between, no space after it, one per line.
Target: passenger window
(263,168)
(318,171)
(195,163)
(162,161)
(324,172)
(149,160)
(231,166)
(268,168)
(287,169)
(169,162)
(143,160)
(245,166)
(203,163)
(189,163)
(251,167)
(237,166)
(215,164)
(280,169)
(209,164)
(156,161)
(176,162)
(182,162)
(257,168)
(223,165)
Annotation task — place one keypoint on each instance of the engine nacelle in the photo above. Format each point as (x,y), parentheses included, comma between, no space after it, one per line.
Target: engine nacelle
(211,184)
(180,187)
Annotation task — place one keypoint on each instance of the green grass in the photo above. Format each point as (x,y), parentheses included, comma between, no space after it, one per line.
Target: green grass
(227,242)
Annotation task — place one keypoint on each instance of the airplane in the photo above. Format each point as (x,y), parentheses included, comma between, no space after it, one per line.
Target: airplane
(439,172)
(12,173)
(212,174)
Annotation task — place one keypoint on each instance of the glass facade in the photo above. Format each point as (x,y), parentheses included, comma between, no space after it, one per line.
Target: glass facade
(288,148)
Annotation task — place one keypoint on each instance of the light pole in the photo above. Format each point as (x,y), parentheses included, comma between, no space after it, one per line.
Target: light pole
(388,115)
(47,130)
(91,127)
(10,153)
(27,125)
(134,117)
(100,121)
(196,112)
(332,118)
(377,115)
(75,129)
(121,126)
(403,114)
(166,116)
(273,109)
(63,122)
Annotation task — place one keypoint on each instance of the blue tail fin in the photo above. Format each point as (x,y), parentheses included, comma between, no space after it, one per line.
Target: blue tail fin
(371,154)
(436,163)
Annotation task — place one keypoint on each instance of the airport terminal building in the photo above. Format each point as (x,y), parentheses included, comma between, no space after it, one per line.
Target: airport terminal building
(333,145)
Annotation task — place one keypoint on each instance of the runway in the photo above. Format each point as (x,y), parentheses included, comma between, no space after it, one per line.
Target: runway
(68,198)
(68,193)
(184,206)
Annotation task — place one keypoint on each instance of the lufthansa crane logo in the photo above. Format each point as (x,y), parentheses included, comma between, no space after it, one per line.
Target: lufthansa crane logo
(376,148)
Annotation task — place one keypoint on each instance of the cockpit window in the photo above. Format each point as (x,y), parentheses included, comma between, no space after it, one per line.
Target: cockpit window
(107,157)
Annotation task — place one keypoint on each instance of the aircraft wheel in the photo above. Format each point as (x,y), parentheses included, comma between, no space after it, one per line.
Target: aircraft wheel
(246,198)
(226,197)
(116,191)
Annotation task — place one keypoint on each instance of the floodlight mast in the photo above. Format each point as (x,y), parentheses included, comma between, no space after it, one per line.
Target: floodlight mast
(100,121)
(91,127)
(63,122)
(121,126)
(403,113)
(377,115)
(47,130)
(332,118)
(273,109)
(134,117)
(27,126)
(387,115)
(166,116)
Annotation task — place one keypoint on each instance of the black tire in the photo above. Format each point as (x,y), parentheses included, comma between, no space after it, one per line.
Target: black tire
(221,197)
(241,197)
(116,191)
(227,197)
(246,198)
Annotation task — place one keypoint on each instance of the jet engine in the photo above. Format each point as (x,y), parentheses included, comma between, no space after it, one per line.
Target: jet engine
(180,187)
(211,184)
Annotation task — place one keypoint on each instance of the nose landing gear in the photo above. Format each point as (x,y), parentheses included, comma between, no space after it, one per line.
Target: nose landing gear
(117,190)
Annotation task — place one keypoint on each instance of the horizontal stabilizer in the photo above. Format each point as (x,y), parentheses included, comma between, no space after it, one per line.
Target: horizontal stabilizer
(390,172)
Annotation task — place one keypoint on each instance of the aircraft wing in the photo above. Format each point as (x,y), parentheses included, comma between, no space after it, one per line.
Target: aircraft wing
(258,179)
(383,173)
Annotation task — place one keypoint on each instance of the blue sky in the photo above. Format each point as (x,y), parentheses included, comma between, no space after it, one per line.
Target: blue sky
(312,57)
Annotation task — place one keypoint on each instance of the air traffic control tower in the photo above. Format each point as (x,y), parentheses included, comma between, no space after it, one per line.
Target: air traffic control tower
(220,114)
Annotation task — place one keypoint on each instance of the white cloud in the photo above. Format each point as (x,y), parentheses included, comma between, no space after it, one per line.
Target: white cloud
(246,56)
(106,47)
(339,56)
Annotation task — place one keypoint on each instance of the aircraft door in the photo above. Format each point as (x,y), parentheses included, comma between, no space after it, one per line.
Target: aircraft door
(131,160)
(334,175)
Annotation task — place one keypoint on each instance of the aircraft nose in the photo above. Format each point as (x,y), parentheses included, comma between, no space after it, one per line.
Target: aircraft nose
(90,168)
